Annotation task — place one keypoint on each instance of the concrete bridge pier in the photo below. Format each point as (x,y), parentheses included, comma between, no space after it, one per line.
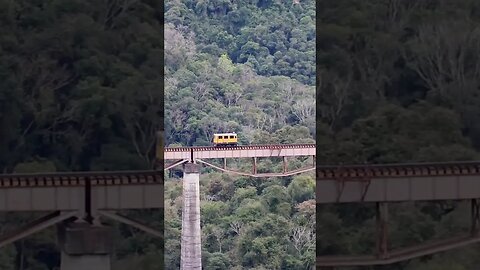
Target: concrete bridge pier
(191,244)
(85,246)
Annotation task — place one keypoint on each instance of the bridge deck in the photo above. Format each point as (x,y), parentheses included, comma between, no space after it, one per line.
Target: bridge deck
(241,151)
(144,189)
(68,191)
(398,182)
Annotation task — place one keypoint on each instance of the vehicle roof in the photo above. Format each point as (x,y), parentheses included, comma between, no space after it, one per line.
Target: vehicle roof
(216,134)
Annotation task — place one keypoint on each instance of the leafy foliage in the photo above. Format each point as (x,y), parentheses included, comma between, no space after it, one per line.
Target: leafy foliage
(79,90)
(246,67)
(397,82)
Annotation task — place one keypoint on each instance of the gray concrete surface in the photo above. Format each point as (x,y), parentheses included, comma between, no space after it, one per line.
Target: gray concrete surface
(191,250)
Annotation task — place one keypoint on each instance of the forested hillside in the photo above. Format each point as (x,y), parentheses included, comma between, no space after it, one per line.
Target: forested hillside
(245,67)
(398,82)
(80,85)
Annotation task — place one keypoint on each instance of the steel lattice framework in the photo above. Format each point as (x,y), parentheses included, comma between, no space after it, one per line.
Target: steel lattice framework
(386,183)
(200,153)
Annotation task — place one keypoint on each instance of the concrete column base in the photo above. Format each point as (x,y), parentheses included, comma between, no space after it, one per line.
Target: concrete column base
(85,246)
(191,245)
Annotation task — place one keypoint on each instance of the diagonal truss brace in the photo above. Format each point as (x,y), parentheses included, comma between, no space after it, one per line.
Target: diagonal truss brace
(400,255)
(258,175)
(131,222)
(174,164)
(36,226)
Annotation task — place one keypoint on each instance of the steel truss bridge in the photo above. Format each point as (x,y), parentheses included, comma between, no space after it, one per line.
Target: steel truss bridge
(182,155)
(383,184)
(80,196)
(191,248)
(89,195)
(378,184)
(69,197)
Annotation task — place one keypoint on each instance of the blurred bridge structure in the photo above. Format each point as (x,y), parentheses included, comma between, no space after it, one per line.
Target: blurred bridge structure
(192,157)
(386,184)
(76,203)
(199,154)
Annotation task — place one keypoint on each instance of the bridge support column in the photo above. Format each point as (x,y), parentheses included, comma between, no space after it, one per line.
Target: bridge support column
(191,245)
(85,246)
(382,230)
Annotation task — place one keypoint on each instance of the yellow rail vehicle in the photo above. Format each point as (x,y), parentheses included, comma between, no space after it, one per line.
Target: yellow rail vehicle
(225,139)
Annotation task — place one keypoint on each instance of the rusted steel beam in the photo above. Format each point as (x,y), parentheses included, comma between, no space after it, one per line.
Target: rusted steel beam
(245,151)
(238,147)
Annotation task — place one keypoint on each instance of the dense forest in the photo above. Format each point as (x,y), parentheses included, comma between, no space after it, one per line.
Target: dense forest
(398,81)
(80,89)
(244,67)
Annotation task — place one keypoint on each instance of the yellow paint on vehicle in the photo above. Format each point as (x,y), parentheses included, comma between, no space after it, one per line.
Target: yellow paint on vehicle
(225,139)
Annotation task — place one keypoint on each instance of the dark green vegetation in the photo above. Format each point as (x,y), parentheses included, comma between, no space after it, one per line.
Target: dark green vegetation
(246,67)
(80,90)
(398,82)
(275,37)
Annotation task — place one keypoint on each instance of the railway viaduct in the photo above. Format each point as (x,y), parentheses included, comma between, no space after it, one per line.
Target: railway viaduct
(386,184)
(76,202)
(377,184)
(192,157)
